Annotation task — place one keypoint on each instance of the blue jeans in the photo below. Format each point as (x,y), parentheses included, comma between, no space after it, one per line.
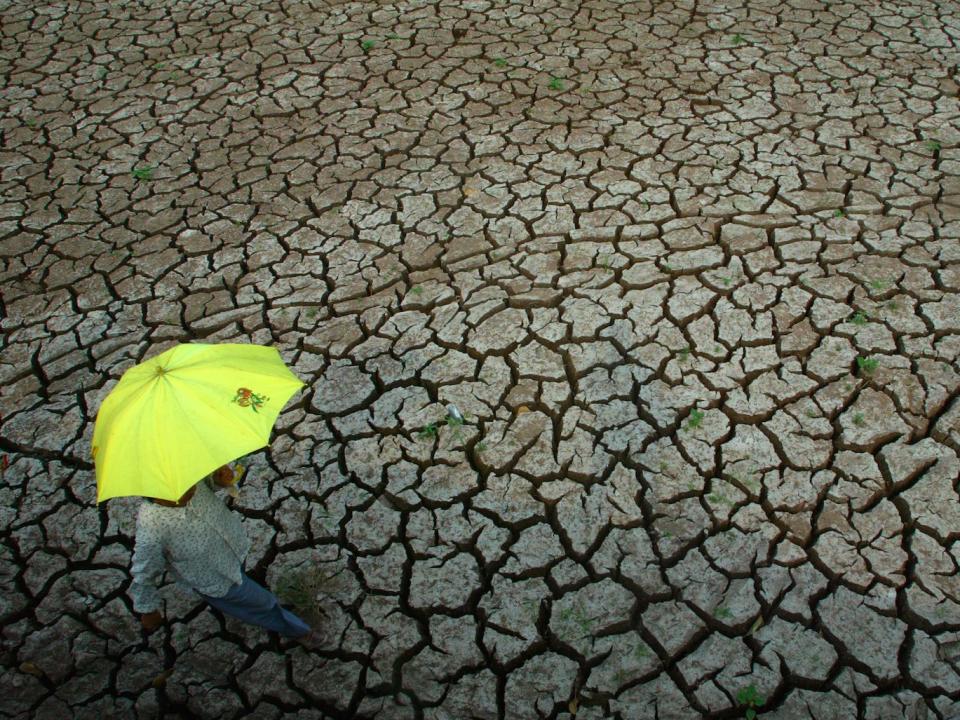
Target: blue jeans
(254,604)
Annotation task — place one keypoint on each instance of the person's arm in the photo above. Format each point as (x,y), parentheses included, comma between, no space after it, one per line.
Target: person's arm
(146,567)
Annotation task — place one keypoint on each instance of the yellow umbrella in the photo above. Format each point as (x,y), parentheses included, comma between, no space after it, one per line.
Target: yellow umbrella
(177,417)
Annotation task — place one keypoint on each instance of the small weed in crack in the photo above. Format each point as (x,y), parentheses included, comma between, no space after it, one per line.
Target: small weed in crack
(144,172)
(751,699)
(867,365)
(455,423)
(859,318)
(695,419)
(428,431)
(299,588)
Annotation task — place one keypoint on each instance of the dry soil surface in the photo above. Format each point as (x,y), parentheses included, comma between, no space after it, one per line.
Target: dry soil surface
(690,270)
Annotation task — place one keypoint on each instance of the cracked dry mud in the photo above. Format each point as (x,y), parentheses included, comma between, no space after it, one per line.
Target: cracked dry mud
(690,270)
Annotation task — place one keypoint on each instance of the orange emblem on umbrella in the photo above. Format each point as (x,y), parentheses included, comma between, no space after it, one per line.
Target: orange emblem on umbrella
(246,397)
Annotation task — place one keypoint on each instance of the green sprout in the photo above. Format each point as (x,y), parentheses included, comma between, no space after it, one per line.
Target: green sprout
(867,365)
(393,36)
(738,39)
(683,354)
(859,318)
(723,612)
(300,588)
(556,83)
(878,284)
(101,73)
(500,62)
(933,145)
(726,280)
(583,620)
(695,420)
(416,290)
(838,213)
(750,698)
(858,419)
(144,172)
(428,431)
(311,313)
(455,424)
(367,45)
(30,122)
(481,446)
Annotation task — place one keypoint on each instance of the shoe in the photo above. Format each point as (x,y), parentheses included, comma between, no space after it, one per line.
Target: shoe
(313,640)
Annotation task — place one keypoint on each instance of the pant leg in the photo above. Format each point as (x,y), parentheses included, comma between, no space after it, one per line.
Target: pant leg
(254,604)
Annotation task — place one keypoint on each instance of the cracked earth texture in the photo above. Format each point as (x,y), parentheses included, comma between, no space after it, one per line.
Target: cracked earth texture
(691,271)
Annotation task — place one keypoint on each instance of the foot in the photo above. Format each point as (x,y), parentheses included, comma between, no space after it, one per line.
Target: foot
(312,640)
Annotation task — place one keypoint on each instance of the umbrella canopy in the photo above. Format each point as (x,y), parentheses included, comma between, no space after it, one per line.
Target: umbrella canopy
(177,417)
